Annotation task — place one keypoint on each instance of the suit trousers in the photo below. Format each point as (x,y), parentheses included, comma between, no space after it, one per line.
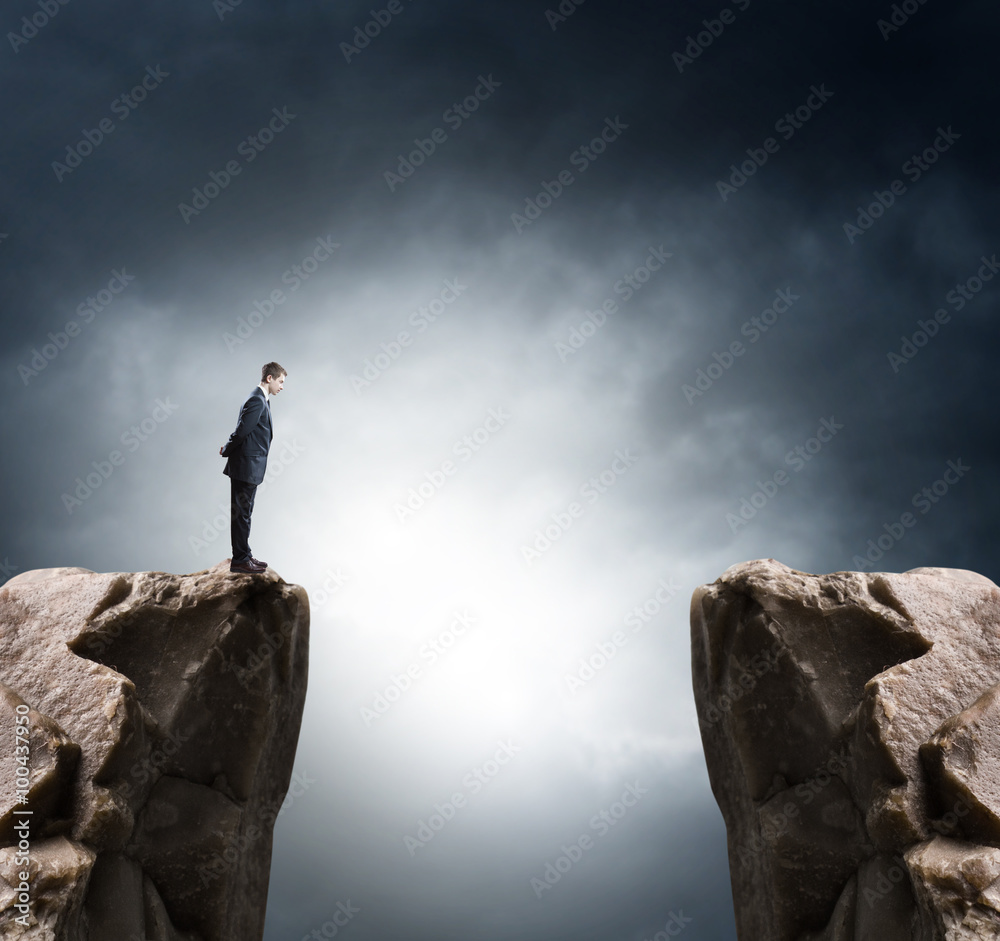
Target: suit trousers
(240,507)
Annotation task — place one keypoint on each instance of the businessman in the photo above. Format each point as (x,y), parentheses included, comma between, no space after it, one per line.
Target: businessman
(246,451)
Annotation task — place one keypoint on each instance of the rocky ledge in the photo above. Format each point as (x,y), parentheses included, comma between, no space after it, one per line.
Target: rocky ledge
(851,726)
(148,726)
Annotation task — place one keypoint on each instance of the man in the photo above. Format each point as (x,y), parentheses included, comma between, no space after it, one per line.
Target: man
(246,451)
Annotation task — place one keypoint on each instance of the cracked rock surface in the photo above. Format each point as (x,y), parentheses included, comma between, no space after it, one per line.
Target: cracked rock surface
(163,715)
(851,727)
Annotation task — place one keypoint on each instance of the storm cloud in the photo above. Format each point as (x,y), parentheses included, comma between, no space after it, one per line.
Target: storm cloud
(580,304)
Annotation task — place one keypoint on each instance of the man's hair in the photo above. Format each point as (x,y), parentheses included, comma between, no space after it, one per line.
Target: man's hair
(274,370)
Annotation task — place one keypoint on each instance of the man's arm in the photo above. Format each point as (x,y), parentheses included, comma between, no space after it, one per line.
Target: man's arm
(249,416)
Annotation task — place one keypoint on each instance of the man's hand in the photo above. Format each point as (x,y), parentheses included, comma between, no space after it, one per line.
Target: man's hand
(223,448)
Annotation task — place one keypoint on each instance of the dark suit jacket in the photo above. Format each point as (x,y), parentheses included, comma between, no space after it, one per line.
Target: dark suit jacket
(248,445)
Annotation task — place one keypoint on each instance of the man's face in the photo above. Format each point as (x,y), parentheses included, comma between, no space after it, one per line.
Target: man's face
(274,386)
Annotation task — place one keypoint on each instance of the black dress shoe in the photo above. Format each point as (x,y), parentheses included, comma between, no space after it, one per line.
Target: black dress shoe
(254,561)
(245,568)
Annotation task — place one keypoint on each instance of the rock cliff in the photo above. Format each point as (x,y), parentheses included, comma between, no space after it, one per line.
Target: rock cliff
(148,726)
(851,726)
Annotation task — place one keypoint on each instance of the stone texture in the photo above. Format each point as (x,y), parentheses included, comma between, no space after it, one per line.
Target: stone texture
(53,764)
(164,713)
(850,726)
(963,760)
(59,874)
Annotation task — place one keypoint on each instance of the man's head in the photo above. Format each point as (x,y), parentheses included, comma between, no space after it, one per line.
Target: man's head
(272,375)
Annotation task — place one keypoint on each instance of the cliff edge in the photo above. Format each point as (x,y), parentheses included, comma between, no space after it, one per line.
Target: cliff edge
(851,726)
(148,726)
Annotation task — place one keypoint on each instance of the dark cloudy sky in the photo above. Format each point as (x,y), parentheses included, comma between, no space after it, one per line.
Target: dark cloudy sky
(490,251)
